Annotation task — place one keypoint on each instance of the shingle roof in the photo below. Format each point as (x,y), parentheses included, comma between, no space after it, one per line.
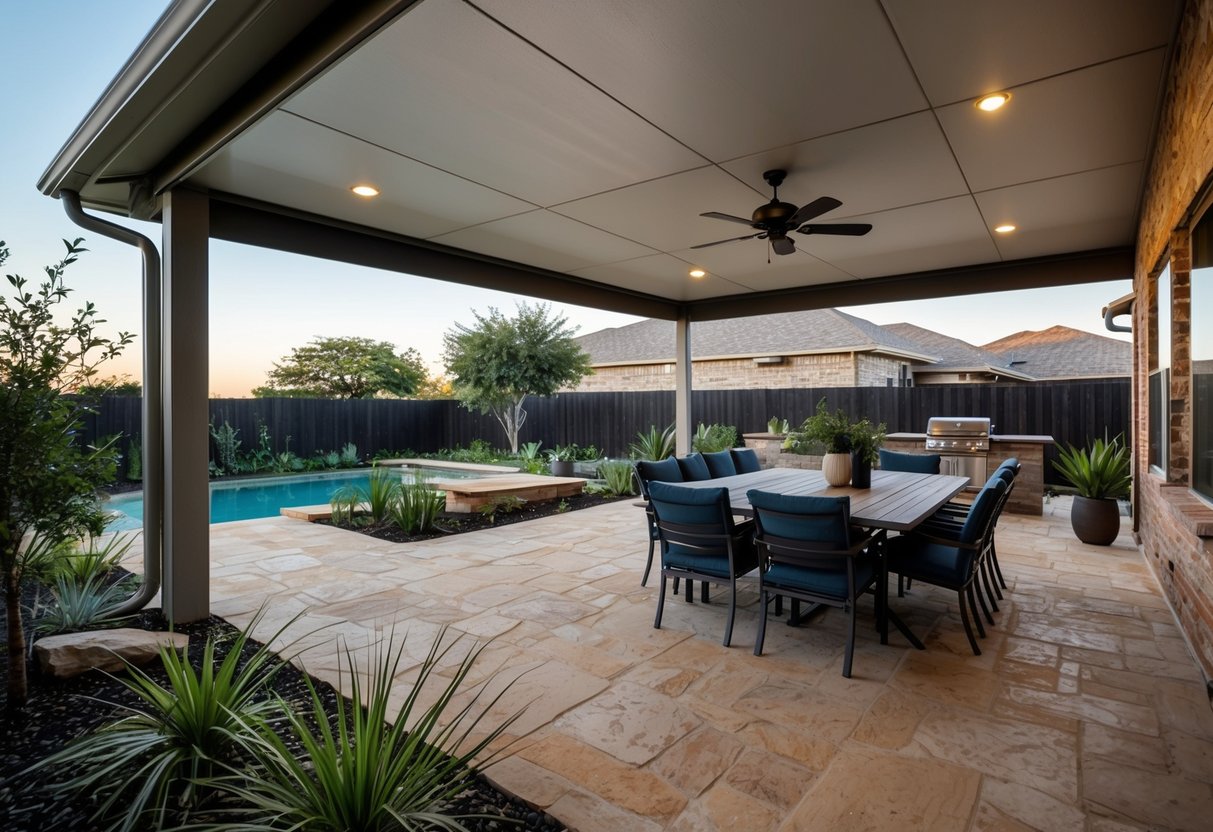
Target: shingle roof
(1064,352)
(954,354)
(783,333)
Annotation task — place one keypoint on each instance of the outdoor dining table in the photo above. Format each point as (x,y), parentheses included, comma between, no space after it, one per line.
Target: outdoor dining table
(897,501)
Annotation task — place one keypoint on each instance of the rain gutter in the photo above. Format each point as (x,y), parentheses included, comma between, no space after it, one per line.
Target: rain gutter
(153,395)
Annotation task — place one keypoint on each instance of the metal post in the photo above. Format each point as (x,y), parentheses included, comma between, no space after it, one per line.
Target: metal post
(682,389)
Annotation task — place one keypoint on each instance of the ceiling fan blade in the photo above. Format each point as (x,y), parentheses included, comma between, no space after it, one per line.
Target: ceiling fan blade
(730,240)
(814,209)
(783,245)
(850,229)
(716,215)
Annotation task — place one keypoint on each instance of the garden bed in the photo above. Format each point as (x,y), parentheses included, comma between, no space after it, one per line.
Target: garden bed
(59,711)
(450,523)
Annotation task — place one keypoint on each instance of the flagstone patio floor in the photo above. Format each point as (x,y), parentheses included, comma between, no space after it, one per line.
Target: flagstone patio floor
(1085,710)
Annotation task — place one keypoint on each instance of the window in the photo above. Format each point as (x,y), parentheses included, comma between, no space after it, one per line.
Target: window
(1160,372)
(1202,356)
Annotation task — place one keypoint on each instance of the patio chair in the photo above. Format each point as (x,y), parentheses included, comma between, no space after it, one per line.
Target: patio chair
(810,552)
(647,471)
(720,464)
(700,542)
(694,468)
(912,463)
(951,563)
(746,460)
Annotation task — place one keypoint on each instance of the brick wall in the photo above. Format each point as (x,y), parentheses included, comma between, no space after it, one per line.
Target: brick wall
(1168,526)
(824,370)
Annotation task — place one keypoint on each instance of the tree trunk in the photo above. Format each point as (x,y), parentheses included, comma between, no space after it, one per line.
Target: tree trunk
(17,689)
(512,417)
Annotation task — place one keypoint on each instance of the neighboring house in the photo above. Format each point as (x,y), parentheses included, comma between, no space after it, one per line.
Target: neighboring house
(829,348)
(1059,353)
(814,348)
(957,362)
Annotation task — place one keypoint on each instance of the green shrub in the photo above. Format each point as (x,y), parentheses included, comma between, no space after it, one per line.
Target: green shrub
(417,505)
(504,503)
(383,488)
(344,504)
(709,439)
(81,566)
(227,448)
(134,459)
(348,458)
(81,606)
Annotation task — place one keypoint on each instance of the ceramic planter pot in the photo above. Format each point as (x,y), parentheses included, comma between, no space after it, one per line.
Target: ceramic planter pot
(1095,521)
(836,468)
(562,468)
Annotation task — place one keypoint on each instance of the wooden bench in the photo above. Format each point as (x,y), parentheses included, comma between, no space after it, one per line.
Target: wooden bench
(465,496)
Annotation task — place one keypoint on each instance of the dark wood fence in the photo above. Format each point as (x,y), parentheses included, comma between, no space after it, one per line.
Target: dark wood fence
(1071,412)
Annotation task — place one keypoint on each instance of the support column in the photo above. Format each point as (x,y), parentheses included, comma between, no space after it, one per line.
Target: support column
(186,592)
(682,391)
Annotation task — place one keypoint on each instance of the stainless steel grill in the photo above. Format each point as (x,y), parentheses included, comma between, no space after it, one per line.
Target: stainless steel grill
(962,443)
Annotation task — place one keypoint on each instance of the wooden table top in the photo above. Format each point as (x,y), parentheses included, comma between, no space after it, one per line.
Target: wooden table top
(896,501)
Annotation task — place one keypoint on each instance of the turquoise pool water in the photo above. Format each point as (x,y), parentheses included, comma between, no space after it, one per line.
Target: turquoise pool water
(250,499)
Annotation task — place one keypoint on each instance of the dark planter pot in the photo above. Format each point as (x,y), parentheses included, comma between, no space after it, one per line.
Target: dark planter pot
(562,468)
(1095,521)
(861,472)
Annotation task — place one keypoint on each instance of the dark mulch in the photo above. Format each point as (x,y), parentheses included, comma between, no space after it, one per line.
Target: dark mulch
(448,523)
(59,711)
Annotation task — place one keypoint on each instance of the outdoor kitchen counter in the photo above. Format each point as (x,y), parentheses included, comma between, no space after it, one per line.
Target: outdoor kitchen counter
(1029,493)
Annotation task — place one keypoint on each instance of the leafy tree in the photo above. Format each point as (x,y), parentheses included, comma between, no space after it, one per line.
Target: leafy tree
(500,361)
(345,368)
(47,480)
(435,387)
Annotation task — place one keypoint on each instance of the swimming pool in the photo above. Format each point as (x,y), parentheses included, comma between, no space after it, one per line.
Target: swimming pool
(265,497)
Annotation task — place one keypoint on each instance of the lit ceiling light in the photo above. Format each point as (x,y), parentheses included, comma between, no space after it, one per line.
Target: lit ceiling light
(697,273)
(365,190)
(1005,228)
(990,103)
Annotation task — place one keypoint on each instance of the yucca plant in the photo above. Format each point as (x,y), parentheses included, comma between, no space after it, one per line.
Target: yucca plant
(617,477)
(81,605)
(382,489)
(370,768)
(1099,472)
(343,505)
(80,566)
(654,444)
(152,760)
(416,506)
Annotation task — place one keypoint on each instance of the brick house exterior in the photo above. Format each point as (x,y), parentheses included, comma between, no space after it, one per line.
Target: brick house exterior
(1174,525)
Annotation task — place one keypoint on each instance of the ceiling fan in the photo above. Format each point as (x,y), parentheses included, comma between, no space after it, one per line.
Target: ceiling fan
(776,219)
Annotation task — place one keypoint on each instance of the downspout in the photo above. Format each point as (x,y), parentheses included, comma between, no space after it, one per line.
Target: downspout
(153,433)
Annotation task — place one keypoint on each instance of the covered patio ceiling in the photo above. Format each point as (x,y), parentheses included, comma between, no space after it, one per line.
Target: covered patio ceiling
(566,150)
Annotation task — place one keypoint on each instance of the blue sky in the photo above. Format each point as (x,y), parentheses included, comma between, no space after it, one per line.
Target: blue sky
(56,60)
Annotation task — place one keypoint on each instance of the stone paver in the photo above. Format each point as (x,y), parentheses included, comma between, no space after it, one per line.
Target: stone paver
(1085,711)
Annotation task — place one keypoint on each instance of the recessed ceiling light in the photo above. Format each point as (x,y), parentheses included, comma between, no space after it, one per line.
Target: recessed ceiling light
(993,101)
(698,273)
(1005,228)
(365,190)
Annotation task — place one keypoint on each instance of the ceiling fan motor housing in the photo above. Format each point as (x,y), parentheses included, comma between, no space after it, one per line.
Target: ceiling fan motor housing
(773,214)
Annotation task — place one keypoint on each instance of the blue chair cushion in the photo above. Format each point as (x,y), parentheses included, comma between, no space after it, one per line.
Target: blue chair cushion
(667,470)
(720,464)
(694,468)
(910,463)
(934,563)
(831,583)
(819,519)
(679,504)
(746,460)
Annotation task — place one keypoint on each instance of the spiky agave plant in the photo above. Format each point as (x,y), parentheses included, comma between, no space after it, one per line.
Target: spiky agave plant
(371,768)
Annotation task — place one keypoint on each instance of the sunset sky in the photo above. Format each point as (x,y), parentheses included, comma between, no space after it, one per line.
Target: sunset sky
(57,59)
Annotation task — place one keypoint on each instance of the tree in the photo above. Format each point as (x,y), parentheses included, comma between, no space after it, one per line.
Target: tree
(500,361)
(47,480)
(344,368)
(122,385)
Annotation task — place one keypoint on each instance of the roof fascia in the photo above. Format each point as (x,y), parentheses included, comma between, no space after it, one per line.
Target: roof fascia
(1057,270)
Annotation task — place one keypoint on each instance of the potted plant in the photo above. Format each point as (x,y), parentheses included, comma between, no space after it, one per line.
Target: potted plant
(561,459)
(866,440)
(1101,474)
(832,431)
